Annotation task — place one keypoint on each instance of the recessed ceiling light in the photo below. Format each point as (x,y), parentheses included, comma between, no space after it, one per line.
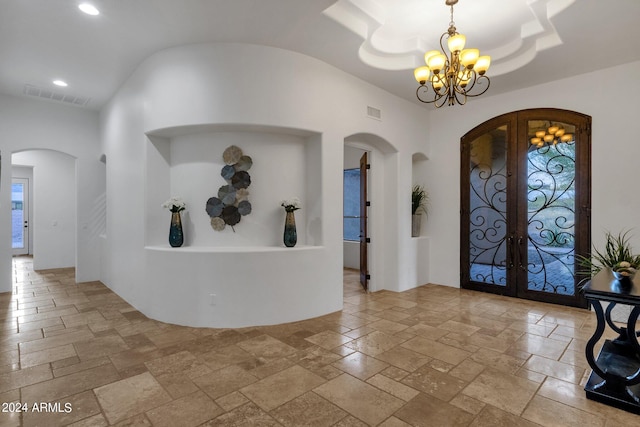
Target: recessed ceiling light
(89,9)
(60,83)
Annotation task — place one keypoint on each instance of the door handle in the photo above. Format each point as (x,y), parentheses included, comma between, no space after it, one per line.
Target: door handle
(512,254)
(520,257)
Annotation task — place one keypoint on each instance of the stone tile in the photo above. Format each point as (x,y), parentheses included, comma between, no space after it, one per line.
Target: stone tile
(309,410)
(73,364)
(65,411)
(547,412)
(393,387)
(467,404)
(273,391)
(534,344)
(467,370)
(350,421)
(328,339)
(225,356)
(55,341)
(24,377)
(493,359)
(362,400)
(426,411)
(459,327)
(49,314)
(388,326)
(183,363)
(436,350)
(249,415)
(374,343)
(96,421)
(394,422)
(490,416)
(232,401)
(10,418)
(502,390)
(553,368)
(360,365)
(404,358)
(10,357)
(496,360)
(166,339)
(433,382)
(30,326)
(266,347)
(125,398)
(99,347)
(190,410)
(61,387)
(47,355)
(83,318)
(224,381)
(7,340)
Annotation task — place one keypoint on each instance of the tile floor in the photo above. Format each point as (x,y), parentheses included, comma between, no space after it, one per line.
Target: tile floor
(431,356)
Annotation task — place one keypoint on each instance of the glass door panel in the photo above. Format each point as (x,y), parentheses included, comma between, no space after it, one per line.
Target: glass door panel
(19,216)
(551,207)
(488,207)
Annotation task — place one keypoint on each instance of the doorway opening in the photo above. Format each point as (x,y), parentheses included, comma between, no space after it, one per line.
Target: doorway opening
(46,180)
(355,213)
(20,216)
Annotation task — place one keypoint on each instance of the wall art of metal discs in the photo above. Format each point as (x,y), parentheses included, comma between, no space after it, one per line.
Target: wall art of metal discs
(231,203)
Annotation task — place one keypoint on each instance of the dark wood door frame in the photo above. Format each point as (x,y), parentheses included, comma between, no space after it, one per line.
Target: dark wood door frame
(516,185)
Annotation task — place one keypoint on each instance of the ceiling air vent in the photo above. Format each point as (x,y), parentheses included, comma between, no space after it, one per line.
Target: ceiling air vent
(374,113)
(55,96)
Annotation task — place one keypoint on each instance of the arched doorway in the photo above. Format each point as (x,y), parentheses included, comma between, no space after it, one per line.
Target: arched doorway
(381,178)
(525,205)
(53,224)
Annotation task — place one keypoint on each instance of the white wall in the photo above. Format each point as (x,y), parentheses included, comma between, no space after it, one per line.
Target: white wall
(32,124)
(608,96)
(53,229)
(194,90)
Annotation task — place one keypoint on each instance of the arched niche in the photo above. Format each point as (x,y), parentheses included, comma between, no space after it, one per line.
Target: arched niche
(419,169)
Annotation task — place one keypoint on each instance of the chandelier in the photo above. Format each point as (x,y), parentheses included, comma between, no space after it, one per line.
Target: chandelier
(452,78)
(551,136)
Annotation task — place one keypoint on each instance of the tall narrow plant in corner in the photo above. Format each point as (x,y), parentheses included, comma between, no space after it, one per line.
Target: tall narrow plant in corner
(419,198)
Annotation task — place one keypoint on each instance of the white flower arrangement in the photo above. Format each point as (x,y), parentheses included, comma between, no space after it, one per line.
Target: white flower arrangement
(291,204)
(175,204)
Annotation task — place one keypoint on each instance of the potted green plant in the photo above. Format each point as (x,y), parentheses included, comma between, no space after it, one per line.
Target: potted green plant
(617,256)
(419,198)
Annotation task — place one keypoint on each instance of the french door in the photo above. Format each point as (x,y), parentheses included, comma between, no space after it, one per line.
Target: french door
(525,205)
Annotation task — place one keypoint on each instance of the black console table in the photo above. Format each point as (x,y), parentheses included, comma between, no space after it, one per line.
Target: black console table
(616,372)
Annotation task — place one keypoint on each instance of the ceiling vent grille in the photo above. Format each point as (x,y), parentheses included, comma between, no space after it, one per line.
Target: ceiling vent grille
(38,92)
(374,113)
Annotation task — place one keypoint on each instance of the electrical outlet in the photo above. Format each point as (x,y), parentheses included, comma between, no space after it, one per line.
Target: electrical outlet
(212,299)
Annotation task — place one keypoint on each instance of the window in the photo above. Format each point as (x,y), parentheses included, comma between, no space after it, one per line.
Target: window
(351,203)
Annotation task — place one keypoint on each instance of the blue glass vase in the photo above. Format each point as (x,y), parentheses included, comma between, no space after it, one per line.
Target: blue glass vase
(176,237)
(290,237)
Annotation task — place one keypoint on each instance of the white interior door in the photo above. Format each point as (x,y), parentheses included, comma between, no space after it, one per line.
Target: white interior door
(20,216)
